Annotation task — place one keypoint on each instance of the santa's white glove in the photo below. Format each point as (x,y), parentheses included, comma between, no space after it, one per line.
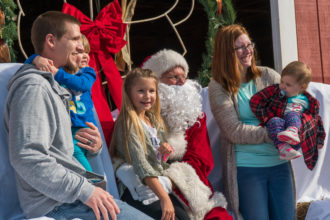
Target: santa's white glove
(146,195)
(128,177)
(138,190)
(166,184)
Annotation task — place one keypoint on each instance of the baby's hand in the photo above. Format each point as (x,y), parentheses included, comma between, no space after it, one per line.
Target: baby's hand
(53,70)
(44,64)
(166,150)
(319,146)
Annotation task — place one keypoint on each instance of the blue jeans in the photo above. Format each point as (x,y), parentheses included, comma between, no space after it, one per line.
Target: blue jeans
(266,192)
(81,211)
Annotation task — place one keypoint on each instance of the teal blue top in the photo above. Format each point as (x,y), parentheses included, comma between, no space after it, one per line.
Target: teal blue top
(298,103)
(256,155)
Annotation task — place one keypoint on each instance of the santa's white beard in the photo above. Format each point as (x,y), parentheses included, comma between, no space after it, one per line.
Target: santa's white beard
(181,106)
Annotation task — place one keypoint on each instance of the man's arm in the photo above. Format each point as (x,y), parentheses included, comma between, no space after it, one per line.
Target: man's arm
(32,127)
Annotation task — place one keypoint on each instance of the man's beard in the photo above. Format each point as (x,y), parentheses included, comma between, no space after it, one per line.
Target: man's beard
(181,106)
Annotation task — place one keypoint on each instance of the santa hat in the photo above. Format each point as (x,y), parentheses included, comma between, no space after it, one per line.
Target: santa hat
(165,60)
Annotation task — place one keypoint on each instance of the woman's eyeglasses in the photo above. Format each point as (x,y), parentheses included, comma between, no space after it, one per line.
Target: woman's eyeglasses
(250,46)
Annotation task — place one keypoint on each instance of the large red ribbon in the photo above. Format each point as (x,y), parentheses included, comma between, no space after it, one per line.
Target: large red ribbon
(105,35)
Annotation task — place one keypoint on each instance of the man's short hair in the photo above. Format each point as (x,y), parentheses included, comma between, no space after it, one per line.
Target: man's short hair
(51,22)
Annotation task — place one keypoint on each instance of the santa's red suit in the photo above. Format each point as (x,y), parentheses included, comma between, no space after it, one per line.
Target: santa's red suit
(192,160)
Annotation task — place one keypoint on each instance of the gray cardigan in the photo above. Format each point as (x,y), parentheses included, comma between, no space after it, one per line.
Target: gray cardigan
(224,107)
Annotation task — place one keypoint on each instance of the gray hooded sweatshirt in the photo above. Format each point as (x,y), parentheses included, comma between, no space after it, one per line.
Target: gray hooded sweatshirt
(40,143)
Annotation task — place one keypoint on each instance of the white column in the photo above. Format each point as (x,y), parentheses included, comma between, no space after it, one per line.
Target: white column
(283,32)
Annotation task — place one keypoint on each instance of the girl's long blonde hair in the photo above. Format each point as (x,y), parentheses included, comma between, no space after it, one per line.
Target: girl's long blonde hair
(128,119)
(225,64)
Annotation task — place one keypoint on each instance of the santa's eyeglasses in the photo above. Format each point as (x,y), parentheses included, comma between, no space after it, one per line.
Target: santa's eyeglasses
(177,77)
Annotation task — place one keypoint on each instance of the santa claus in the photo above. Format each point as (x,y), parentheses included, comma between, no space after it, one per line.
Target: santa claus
(192,160)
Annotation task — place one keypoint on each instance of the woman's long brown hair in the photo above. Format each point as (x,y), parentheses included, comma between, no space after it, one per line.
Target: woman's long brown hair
(226,67)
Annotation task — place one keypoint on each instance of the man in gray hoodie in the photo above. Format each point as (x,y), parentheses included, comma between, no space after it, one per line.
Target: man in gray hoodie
(50,181)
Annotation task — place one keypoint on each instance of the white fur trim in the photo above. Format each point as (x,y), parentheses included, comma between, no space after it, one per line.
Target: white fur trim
(194,190)
(179,144)
(165,60)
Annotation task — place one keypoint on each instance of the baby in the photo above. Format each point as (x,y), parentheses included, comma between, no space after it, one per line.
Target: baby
(286,108)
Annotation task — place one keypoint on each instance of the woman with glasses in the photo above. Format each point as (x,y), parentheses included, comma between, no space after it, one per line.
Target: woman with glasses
(258,184)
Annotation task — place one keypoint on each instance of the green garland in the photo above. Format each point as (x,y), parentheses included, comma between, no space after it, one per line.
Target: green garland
(227,17)
(8,32)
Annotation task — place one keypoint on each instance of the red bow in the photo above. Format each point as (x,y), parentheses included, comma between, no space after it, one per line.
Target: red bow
(105,35)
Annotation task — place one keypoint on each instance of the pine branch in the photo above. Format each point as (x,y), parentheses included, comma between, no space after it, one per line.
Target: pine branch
(228,16)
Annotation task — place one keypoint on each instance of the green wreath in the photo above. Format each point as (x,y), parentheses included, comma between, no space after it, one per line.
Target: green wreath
(216,20)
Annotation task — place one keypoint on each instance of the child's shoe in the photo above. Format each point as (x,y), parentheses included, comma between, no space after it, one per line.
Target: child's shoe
(290,136)
(287,152)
